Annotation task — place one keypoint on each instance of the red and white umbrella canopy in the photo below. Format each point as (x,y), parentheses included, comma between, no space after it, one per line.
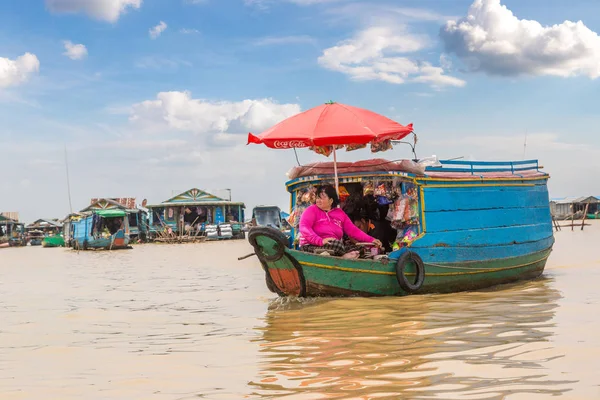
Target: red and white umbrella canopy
(331,124)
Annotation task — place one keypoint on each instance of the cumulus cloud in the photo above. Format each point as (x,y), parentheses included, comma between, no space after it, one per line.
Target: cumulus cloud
(15,72)
(105,10)
(157,30)
(74,51)
(180,112)
(493,40)
(375,54)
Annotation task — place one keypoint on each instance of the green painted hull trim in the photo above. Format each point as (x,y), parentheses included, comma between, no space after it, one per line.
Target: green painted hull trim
(295,273)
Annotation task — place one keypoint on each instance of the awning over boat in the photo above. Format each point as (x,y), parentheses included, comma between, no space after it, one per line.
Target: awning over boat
(111,213)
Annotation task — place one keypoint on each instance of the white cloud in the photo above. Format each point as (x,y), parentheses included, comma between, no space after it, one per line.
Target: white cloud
(15,72)
(155,31)
(493,40)
(186,31)
(282,40)
(106,10)
(180,112)
(369,13)
(74,51)
(374,54)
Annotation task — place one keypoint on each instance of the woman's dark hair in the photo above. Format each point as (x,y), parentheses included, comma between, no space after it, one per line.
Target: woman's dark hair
(330,191)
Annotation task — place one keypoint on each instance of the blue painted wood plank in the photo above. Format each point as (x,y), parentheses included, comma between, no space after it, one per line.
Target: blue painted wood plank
(459,162)
(458,254)
(441,221)
(487,237)
(472,198)
(478,169)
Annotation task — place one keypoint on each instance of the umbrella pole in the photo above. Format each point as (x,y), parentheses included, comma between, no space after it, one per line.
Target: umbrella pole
(335,172)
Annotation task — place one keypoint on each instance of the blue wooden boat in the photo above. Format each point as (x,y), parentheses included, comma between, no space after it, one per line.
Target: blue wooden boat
(100,229)
(35,237)
(474,225)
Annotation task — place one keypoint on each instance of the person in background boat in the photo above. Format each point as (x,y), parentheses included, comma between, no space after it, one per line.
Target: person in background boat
(323,225)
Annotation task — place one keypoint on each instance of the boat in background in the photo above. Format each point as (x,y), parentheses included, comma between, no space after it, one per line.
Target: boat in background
(100,229)
(12,233)
(53,241)
(271,216)
(35,237)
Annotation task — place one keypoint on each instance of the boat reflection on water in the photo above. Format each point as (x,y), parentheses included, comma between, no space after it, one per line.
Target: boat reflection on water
(484,344)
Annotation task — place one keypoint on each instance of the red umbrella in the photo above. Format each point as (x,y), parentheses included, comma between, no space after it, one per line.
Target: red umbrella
(332,125)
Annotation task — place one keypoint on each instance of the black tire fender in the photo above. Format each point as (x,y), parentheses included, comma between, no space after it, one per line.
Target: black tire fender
(277,236)
(403,281)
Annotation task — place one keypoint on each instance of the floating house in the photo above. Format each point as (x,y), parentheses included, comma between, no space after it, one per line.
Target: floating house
(48,226)
(137,215)
(12,232)
(567,207)
(197,213)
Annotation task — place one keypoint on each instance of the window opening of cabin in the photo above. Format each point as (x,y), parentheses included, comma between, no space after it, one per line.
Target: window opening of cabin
(387,209)
(158,216)
(133,220)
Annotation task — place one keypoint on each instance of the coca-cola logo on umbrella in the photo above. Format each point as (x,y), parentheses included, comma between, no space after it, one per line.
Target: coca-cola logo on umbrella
(281,144)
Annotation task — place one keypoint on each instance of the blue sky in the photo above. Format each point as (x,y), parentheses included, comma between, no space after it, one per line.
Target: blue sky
(153,97)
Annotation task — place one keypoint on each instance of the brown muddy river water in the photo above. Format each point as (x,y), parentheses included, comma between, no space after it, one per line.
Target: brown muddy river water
(190,321)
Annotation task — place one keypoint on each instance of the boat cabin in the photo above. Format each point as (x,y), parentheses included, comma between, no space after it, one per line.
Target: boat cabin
(197,213)
(101,229)
(12,232)
(137,216)
(440,207)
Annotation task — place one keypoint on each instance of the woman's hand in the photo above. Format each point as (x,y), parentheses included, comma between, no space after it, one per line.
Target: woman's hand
(378,243)
(327,240)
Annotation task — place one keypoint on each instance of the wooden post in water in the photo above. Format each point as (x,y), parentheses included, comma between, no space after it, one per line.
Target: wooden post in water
(584,215)
(555,223)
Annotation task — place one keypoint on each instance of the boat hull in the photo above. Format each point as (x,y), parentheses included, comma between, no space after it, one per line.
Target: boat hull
(295,273)
(53,241)
(118,241)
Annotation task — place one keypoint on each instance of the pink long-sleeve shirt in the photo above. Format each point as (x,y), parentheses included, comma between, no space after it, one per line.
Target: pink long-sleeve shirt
(316,225)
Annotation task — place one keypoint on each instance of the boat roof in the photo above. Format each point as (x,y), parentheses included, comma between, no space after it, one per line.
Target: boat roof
(444,169)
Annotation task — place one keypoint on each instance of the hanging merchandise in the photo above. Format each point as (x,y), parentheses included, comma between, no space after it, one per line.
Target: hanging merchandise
(383,194)
(343,193)
(323,150)
(406,237)
(351,147)
(305,197)
(384,145)
(367,189)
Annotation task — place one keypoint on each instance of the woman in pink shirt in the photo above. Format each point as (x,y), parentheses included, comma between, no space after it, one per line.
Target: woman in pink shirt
(323,225)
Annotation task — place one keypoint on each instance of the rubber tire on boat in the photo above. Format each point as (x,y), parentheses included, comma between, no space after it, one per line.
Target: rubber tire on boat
(277,236)
(404,283)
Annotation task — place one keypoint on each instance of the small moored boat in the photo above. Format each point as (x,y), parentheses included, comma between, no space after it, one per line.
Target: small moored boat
(100,229)
(53,241)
